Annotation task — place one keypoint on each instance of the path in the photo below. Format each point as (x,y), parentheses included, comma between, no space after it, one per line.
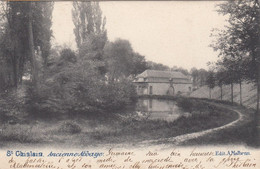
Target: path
(177,140)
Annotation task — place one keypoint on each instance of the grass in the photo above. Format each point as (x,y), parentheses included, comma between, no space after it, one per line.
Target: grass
(133,131)
(92,129)
(245,133)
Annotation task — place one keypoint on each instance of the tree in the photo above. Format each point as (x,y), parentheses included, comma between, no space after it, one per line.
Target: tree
(241,39)
(42,22)
(87,18)
(13,38)
(195,76)
(203,74)
(157,66)
(139,64)
(90,32)
(34,65)
(210,82)
(180,69)
(122,61)
(220,79)
(27,26)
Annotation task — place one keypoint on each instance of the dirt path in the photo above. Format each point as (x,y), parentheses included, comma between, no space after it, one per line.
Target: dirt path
(177,140)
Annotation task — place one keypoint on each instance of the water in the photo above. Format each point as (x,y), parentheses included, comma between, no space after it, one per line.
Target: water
(158,109)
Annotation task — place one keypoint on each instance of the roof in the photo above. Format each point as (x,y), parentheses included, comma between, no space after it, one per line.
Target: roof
(162,74)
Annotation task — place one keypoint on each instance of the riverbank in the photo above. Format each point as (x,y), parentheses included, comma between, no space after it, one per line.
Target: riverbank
(111,128)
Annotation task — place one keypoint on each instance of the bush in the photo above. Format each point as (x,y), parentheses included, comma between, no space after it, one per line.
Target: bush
(68,55)
(19,133)
(185,104)
(118,94)
(70,128)
(79,88)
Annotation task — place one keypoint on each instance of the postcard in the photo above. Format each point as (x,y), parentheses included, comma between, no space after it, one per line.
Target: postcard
(129,84)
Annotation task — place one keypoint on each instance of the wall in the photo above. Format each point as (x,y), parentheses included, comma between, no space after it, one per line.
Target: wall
(183,88)
(162,88)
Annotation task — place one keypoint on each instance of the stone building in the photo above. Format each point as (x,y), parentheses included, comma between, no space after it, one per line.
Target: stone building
(155,82)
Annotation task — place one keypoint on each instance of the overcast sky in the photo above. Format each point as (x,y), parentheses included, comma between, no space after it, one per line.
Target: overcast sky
(174,33)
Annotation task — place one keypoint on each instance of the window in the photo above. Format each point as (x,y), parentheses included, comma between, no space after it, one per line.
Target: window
(151,90)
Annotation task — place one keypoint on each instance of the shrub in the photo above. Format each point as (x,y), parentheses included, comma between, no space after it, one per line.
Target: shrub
(70,128)
(78,88)
(185,104)
(68,55)
(19,133)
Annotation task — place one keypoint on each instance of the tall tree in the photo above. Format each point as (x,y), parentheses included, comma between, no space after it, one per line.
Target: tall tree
(23,21)
(210,82)
(195,75)
(241,38)
(119,55)
(42,22)
(220,79)
(34,65)
(87,18)
(12,44)
(203,74)
(90,32)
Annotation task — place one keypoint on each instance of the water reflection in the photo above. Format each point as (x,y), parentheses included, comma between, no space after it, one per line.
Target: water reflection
(155,109)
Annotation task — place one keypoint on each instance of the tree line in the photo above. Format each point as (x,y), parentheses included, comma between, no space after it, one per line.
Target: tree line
(238,46)
(92,78)
(95,77)
(25,27)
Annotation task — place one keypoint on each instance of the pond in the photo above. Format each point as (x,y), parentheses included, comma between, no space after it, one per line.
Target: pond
(158,109)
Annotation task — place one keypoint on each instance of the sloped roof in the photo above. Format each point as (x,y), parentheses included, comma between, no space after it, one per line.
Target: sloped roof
(162,74)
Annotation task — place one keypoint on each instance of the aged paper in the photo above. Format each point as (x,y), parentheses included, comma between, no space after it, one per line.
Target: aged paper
(158,153)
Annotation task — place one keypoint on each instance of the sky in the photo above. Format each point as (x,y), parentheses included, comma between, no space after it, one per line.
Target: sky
(174,33)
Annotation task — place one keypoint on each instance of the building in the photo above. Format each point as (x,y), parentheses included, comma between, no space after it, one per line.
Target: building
(155,82)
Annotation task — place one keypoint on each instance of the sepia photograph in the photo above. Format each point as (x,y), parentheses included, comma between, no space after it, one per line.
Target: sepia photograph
(131,75)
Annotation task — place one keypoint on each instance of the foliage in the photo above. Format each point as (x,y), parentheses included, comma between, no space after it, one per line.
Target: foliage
(211,80)
(90,32)
(77,87)
(70,127)
(67,55)
(185,104)
(14,37)
(238,43)
(180,69)
(122,61)
(93,50)
(199,76)
(87,18)
(77,82)
(157,66)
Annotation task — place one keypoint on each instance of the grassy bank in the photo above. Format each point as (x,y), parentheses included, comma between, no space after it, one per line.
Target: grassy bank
(244,133)
(91,129)
(248,93)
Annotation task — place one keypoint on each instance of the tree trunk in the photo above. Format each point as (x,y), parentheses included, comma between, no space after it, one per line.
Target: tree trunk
(15,80)
(232,100)
(240,87)
(210,93)
(34,66)
(258,91)
(221,93)
(257,113)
